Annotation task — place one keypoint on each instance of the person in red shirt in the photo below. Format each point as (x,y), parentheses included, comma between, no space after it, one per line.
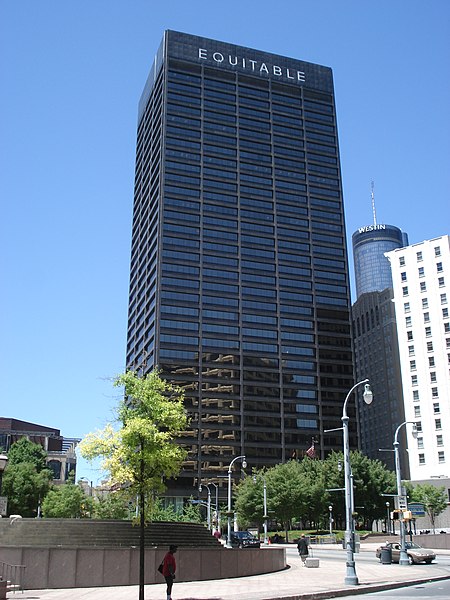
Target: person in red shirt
(169,568)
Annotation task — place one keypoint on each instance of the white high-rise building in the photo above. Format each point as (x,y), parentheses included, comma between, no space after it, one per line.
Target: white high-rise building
(421,279)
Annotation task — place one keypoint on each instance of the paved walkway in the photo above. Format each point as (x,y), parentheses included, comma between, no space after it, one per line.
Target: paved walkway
(295,583)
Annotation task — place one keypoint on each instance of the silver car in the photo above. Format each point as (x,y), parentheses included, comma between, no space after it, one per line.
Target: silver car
(416,554)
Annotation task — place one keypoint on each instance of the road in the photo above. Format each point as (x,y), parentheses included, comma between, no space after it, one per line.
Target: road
(364,556)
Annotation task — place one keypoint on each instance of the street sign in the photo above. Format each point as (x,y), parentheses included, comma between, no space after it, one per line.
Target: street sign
(3,506)
(402,503)
(417,509)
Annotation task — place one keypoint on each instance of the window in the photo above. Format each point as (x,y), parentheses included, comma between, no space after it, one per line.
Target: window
(439,267)
(439,440)
(409,335)
(407,307)
(447,342)
(433,378)
(421,459)
(405,290)
(441,282)
(420,443)
(416,395)
(447,329)
(441,456)
(437,251)
(401,261)
(419,256)
(430,346)
(421,272)
(423,286)
(437,424)
(403,275)
(417,411)
(419,426)
(412,365)
(408,321)
(445,313)
(426,317)
(414,379)
(431,361)
(424,302)
(434,392)
(411,350)
(427,331)
(443,298)
(436,408)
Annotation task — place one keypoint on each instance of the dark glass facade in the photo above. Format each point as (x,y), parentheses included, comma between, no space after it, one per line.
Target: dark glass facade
(239,282)
(372,268)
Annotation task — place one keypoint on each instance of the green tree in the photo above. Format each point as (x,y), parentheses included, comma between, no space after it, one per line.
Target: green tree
(433,499)
(26,479)
(143,451)
(25,451)
(24,488)
(249,503)
(67,501)
(114,505)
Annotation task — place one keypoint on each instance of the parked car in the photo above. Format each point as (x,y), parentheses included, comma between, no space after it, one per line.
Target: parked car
(416,554)
(244,539)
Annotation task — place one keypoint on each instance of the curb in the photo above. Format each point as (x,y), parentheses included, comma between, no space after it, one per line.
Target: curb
(361,589)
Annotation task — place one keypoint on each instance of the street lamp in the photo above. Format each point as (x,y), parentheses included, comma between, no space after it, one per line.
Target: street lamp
(330,508)
(3,463)
(265,515)
(401,501)
(229,513)
(388,524)
(351,577)
(208,505)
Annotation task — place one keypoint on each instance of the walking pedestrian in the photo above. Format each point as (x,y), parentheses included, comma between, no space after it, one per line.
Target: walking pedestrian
(302,548)
(169,568)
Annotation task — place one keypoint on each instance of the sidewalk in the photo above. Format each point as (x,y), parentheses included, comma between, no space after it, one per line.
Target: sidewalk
(295,583)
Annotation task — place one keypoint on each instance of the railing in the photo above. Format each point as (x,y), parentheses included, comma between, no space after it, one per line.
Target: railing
(14,575)
(322,539)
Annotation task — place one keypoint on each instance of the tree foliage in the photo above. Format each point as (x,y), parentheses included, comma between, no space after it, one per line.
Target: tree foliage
(142,451)
(433,499)
(26,479)
(300,490)
(66,501)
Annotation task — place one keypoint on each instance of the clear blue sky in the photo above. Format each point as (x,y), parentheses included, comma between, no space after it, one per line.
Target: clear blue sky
(71,75)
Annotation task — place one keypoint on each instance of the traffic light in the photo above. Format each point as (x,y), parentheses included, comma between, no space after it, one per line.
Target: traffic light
(395,515)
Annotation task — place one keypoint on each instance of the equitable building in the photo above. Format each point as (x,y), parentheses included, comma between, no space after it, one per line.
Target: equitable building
(239,286)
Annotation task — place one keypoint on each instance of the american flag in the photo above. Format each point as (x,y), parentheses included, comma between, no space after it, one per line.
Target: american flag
(311,452)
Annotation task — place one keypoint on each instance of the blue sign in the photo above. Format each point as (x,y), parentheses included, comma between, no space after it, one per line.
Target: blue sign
(417,509)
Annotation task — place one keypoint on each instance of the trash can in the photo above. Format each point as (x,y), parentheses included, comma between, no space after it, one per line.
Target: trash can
(386,556)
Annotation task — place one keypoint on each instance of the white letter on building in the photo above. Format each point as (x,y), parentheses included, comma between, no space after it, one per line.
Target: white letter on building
(202,53)
(218,57)
(277,70)
(300,76)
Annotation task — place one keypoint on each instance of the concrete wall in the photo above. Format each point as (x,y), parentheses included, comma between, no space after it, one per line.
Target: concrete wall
(48,568)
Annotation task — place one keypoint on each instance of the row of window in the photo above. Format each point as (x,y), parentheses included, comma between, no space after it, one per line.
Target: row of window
(407,306)
(426,317)
(439,441)
(410,334)
(441,458)
(419,256)
(423,286)
(437,425)
(421,271)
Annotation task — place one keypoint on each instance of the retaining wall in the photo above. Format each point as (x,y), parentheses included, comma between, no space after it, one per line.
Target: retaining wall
(48,568)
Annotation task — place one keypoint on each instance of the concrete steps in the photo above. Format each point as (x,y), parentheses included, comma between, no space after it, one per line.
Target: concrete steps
(105,534)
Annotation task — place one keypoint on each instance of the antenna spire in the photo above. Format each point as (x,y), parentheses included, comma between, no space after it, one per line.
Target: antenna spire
(373,205)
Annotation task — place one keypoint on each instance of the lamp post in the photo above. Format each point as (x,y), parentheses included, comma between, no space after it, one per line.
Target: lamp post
(3,463)
(229,513)
(208,505)
(265,515)
(217,503)
(388,523)
(403,560)
(351,577)
(330,508)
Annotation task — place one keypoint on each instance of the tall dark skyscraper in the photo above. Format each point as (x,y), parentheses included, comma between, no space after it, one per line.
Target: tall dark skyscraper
(239,286)
(375,337)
